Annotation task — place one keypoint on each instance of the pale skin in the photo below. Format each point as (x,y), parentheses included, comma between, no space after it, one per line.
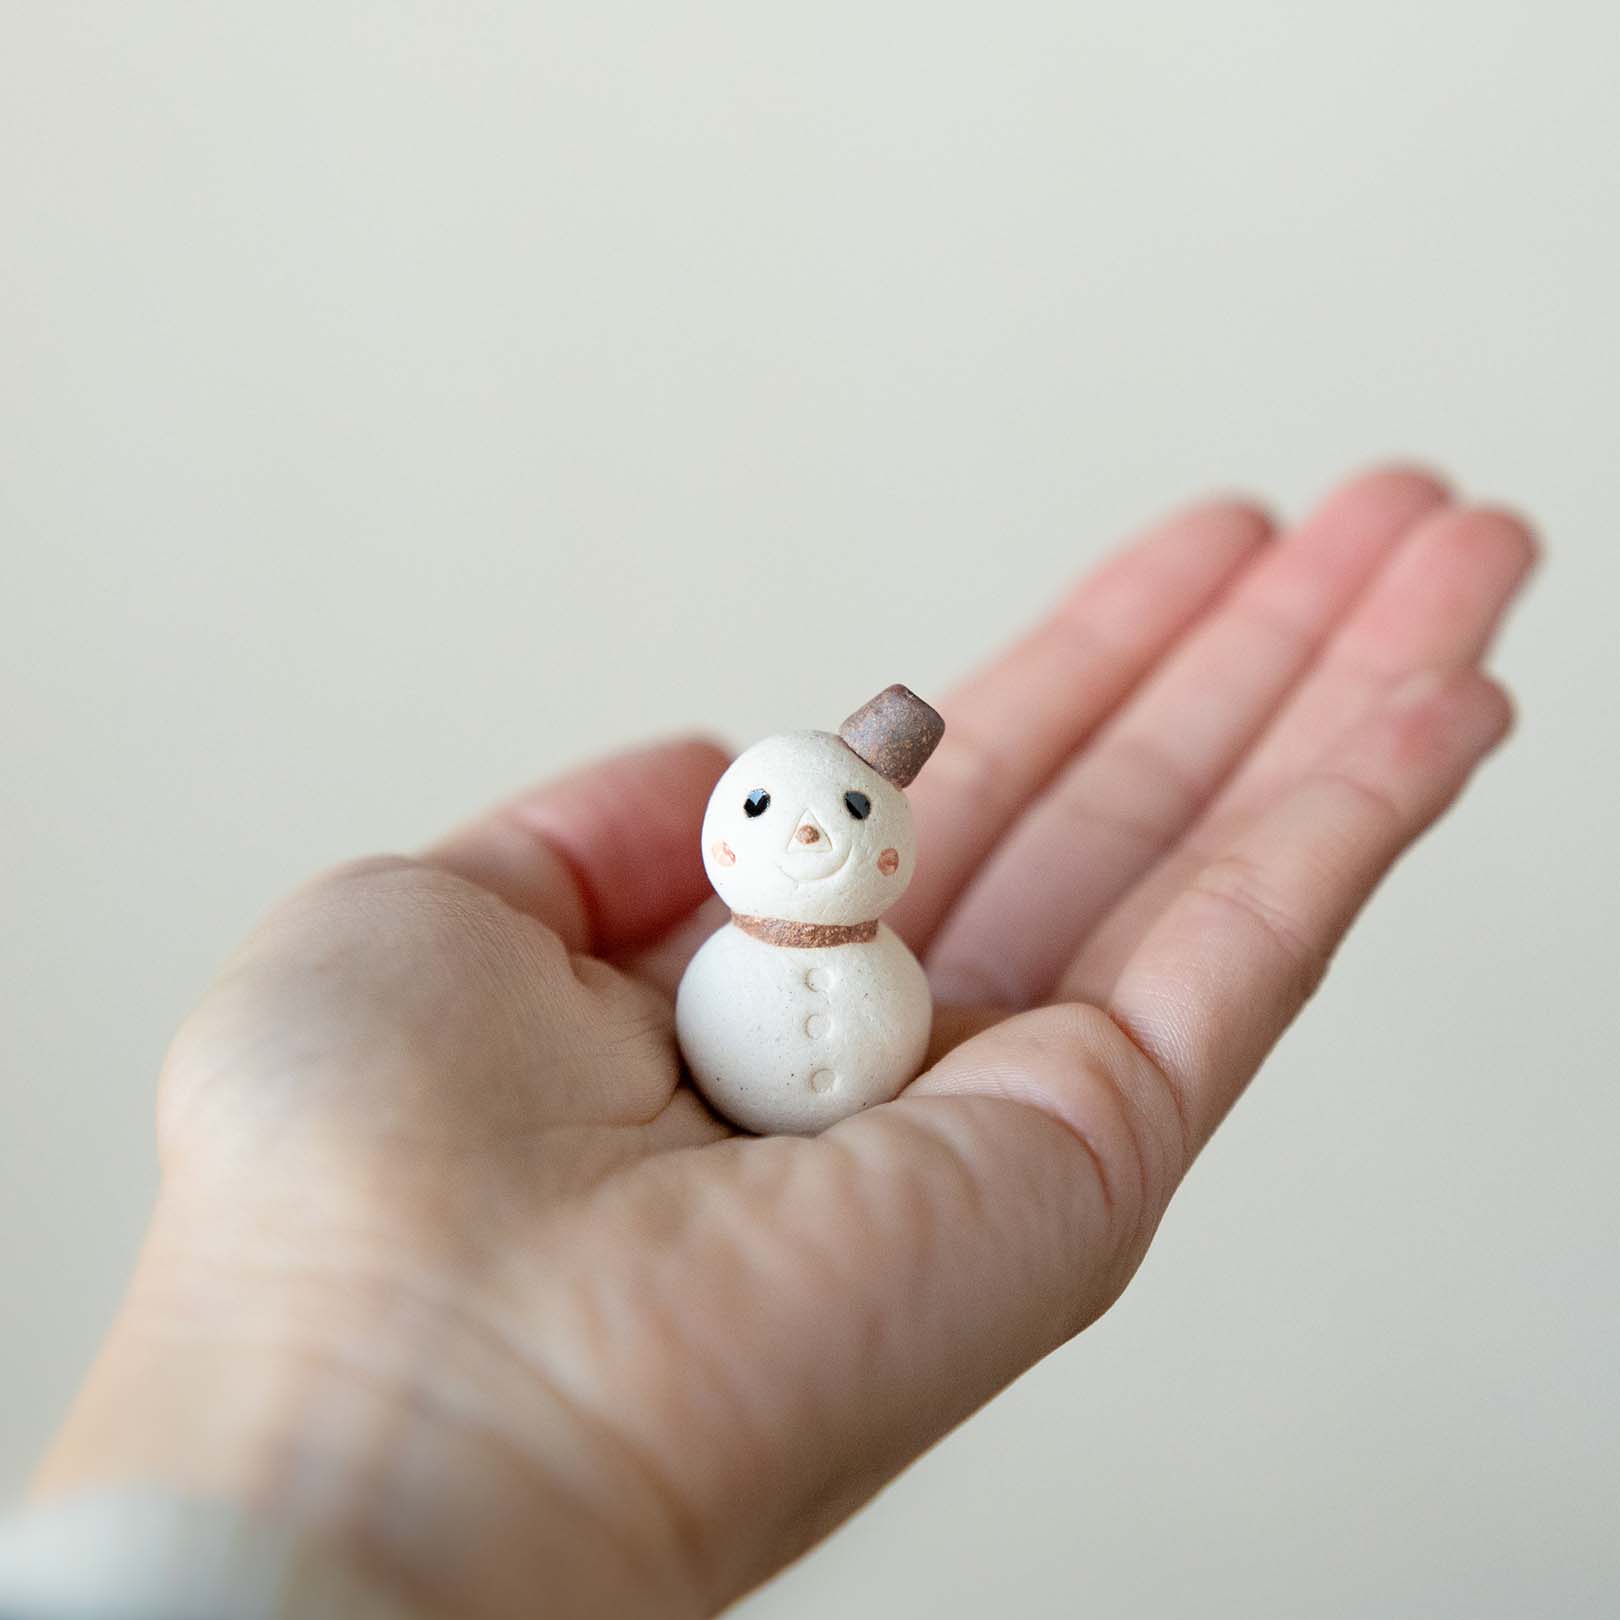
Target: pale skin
(450,1267)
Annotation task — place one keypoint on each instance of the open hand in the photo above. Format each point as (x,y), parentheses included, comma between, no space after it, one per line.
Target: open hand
(449,1264)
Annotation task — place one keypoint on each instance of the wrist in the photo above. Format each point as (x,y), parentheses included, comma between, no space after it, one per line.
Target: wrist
(386,1427)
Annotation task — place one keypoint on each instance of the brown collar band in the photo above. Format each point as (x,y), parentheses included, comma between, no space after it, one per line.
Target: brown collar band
(779,931)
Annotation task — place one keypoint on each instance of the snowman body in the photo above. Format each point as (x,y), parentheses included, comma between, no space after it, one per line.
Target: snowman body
(804,1008)
(785,1038)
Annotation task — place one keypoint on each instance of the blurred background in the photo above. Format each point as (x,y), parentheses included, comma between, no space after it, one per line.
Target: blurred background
(373,376)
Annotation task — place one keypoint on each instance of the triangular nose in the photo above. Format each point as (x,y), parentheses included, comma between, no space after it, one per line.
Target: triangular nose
(809,834)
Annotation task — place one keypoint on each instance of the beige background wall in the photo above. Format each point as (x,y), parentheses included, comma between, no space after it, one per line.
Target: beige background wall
(376,377)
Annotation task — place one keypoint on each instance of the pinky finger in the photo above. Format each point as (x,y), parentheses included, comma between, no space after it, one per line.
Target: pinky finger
(1235,956)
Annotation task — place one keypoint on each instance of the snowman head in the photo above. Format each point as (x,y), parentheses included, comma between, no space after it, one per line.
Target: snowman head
(815,828)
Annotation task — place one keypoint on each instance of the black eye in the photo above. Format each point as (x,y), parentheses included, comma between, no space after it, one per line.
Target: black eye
(858,805)
(757,803)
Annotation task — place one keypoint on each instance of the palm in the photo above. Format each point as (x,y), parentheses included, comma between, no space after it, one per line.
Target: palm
(1146,829)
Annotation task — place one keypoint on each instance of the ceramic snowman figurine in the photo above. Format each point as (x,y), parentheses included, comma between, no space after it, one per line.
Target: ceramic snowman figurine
(806,1008)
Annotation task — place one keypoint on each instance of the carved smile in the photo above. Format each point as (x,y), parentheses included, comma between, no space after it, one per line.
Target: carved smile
(798,876)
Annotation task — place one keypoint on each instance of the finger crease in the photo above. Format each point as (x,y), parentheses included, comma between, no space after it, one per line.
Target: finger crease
(1231,881)
(1172,1088)
(1382,804)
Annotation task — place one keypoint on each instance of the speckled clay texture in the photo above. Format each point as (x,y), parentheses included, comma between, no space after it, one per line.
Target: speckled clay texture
(809,841)
(894,733)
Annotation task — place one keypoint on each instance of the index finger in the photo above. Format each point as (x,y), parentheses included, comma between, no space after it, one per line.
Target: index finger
(607,856)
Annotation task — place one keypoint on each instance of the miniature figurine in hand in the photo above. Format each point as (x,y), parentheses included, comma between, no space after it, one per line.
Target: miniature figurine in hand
(448,1262)
(807,1009)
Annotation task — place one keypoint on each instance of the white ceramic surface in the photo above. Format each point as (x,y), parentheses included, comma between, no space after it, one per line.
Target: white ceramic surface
(759,864)
(788,1038)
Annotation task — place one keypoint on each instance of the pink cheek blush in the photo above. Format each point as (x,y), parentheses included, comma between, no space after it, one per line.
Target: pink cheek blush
(888,862)
(724,854)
